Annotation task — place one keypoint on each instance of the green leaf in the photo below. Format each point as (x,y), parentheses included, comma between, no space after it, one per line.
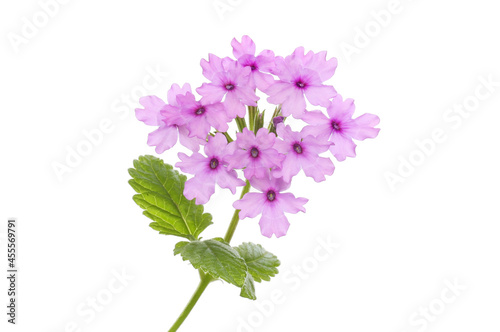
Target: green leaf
(262,265)
(160,193)
(216,258)
(248,289)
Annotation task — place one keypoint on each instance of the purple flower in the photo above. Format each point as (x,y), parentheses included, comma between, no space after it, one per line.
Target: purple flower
(199,116)
(260,65)
(272,203)
(302,75)
(302,152)
(208,170)
(340,128)
(255,153)
(153,114)
(230,79)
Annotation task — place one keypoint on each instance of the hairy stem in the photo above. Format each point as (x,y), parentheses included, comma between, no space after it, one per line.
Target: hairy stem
(205,279)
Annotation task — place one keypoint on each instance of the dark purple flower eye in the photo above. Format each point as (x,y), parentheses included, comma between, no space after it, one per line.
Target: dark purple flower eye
(299,84)
(254,152)
(200,111)
(271,195)
(253,67)
(229,87)
(335,125)
(297,148)
(214,163)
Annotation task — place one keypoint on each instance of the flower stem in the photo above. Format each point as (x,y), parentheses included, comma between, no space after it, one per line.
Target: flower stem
(236,216)
(205,279)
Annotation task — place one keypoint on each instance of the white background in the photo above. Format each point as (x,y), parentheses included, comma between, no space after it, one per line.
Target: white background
(397,247)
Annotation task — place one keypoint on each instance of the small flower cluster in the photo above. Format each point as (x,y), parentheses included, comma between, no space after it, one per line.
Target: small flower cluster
(269,156)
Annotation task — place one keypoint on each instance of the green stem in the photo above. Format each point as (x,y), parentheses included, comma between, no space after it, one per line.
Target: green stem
(236,216)
(205,279)
(228,138)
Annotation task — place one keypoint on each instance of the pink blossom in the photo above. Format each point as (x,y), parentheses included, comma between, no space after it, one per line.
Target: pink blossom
(255,153)
(302,152)
(272,203)
(230,79)
(302,76)
(208,170)
(153,114)
(199,116)
(260,65)
(340,128)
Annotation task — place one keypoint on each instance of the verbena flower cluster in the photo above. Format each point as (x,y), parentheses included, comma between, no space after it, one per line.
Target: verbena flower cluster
(269,156)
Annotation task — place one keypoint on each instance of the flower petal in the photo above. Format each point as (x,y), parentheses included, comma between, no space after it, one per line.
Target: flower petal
(211,93)
(343,147)
(233,106)
(320,95)
(294,105)
(291,204)
(194,164)
(247,46)
(363,127)
(229,179)
(290,167)
(273,221)
(163,138)
(317,167)
(215,145)
(200,187)
(251,205)
(150,114)
(177,90)
(192,143)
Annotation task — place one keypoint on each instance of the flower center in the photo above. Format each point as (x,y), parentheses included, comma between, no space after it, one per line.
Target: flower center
(298,148)
(335,126)
(253,67)
(214,163)
(200,111)
(254,152)
(229,87)
(300,84)
(271,195)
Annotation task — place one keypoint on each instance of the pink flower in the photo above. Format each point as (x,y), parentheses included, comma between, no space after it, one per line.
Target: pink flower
(199,116)
(340,128)
(255,153)
(229,79)
(302,75)
(302,152)
(153,114)
(208,170)
(260,65)
(272,203)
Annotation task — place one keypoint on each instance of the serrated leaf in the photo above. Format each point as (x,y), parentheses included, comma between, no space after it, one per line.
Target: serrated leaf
(248,289)
(216,258)
(262,265)
(160,193)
